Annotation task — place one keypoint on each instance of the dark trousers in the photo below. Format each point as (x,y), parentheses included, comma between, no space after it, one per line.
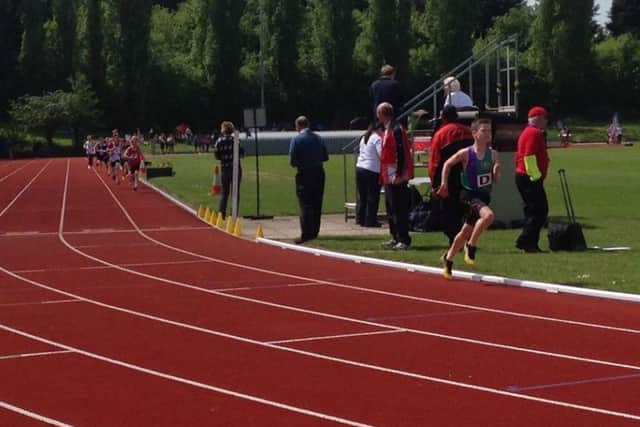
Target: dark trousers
(226,179)
(450,212)
(536,209)
(310,191)
(368,196)
(397,200)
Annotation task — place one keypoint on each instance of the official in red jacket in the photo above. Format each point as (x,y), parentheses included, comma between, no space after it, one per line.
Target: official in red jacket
(396,169)
(450,138)
(532,165)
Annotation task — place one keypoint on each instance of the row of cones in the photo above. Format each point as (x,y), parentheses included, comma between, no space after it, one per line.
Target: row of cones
(231,225)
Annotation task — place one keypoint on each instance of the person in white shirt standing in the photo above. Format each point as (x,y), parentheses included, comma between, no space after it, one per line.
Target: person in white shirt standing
(90,150)
(453,94)
(368,177)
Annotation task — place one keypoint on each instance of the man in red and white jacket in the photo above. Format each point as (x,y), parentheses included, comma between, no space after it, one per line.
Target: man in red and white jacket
(532,165)
(396,169)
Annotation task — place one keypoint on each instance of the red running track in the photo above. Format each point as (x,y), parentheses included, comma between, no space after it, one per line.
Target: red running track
(120,308)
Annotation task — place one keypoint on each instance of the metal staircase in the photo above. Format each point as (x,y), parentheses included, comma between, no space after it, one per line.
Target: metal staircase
(497,65)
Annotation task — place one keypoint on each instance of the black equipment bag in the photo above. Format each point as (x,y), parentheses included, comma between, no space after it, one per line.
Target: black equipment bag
(566,236)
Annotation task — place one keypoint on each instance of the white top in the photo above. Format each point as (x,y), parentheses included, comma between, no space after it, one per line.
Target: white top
(369,157)
(458,99)
(89,148)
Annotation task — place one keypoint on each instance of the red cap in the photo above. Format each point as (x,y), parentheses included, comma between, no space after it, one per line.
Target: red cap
(537,111)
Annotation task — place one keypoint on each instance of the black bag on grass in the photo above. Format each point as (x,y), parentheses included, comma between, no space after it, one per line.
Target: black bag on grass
(566,236)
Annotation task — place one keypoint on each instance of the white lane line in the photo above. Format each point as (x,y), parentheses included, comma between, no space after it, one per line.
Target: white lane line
(26,187)
(33,415)
(368,290)
(20,304)
(260,288)
(317,313)
(186,381)
(320,356)
(25,355)
(105,267)
(334,337)
(4,178)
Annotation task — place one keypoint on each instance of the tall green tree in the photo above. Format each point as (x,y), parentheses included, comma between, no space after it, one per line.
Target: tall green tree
(224,56)
(562,50)
(492,9)
(625,17)
(33,67)
(95,67)
(451,27)
(64,13)
(10,31)
(326,61)
(133,20)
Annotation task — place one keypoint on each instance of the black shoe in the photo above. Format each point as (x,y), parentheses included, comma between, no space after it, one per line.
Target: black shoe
(447,266)
(300,240)
(374,225)
(533,250)
(470,254)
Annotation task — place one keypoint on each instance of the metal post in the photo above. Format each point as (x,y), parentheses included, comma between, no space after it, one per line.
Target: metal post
(235,175)
(261,6)
(255,138)
(508,76)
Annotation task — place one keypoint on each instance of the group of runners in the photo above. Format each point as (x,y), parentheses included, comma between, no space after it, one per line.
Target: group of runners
(122,158)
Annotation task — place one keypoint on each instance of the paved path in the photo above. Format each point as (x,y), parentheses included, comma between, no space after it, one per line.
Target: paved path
(288,227)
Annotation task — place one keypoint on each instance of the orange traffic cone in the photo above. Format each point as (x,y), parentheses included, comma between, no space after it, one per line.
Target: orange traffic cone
(216,185)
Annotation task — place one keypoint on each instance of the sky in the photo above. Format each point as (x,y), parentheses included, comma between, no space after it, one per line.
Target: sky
(603,15)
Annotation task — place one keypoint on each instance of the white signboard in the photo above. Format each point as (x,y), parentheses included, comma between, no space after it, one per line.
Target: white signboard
(255,117)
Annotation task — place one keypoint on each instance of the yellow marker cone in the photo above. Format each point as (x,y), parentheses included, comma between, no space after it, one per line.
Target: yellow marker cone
(219,220)
(229,227)
(259,232)
(237,229)
(213,218)
(201,211)
(207,212)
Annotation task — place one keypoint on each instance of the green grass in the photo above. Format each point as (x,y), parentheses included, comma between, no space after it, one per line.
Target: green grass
(605,194)
(194,173)
(604,188)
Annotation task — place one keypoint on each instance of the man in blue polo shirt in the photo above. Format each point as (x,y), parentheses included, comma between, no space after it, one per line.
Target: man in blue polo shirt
(307,152)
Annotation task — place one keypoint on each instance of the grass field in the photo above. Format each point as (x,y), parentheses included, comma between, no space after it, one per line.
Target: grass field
(604,188)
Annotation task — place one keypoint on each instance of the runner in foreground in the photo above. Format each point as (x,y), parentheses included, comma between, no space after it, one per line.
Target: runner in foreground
(481,167)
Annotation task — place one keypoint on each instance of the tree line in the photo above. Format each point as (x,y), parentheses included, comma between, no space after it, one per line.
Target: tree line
(149,63)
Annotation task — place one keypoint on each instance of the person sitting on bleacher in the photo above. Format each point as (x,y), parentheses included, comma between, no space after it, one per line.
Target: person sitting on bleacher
(453,95)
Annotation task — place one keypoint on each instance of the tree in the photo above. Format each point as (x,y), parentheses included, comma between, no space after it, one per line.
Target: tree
(452,42)
(625,17)
(326,60)
(561,51)
(33,68)
(64,18)
(134,19)
(56,109)
(10,31)
(95,68)
(490,10)
(619,60)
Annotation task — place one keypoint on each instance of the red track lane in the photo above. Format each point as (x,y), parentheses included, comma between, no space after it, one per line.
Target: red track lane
(81,391)
(362,383)
(333,388)
(22,217)
(12,185)
(570,339)
(11,418)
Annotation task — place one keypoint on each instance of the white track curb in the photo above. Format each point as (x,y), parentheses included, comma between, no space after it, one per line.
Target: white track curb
(547,287)
(530,284)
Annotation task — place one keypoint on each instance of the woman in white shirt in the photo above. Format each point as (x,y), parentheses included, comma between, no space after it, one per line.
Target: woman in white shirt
(368,177)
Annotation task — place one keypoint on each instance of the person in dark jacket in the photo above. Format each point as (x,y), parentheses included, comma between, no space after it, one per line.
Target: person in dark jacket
(307,152)
(223,150)
(386,89)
